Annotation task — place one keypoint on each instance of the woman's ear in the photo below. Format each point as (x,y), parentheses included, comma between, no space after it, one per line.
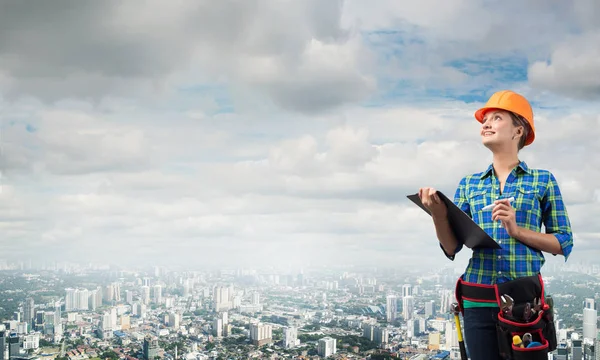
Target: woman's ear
(519,131)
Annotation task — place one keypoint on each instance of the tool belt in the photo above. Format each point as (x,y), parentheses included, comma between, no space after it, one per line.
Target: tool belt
(525,312)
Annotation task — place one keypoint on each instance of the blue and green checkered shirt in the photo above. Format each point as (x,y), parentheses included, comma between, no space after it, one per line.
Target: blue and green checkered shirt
(538,201)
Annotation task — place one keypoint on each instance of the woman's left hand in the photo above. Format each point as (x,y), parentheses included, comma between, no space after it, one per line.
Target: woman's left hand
(506,214)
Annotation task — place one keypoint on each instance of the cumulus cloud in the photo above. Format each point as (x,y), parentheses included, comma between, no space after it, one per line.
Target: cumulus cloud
(155,137)
(297,53)
(573,68)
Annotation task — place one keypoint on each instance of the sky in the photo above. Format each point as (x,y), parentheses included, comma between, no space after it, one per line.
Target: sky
(276,132)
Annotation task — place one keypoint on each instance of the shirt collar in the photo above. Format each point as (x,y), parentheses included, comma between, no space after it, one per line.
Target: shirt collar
(490,170)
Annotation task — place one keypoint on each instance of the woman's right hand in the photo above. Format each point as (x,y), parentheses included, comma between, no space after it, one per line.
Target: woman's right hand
(432,202)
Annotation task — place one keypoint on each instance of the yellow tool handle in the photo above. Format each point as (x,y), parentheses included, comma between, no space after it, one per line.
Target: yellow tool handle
(458,329)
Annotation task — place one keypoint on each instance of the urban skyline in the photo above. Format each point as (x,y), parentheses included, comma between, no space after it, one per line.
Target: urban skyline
(310,312)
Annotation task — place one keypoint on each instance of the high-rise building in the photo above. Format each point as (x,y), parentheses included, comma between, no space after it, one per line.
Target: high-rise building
(326,346)
(98,296)
(381,335)
(84,297)
(71,300)
(218,327)
(562,352)
(576,347)
(261,334)
(76,299)
(174,320)
(446,299)
(430,309)
(412,328)
(150,348)
(597,347)
(14,348)
(116,291)
(2,344)
(368,330)
(29,311)
(408,307)
(129,297)
(157,294)
(391,308)
(590,315)
(290,337)
(407,290)
(451,336)
(222,297)
(255,298)
(93,305)
(145,295)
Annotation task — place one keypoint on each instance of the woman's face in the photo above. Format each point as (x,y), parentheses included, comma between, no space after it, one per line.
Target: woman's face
(497,128)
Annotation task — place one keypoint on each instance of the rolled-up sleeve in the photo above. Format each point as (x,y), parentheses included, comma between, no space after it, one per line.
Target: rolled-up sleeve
(555,217)
(460,200)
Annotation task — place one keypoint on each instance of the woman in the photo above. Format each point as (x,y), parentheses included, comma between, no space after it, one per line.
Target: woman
(506,127)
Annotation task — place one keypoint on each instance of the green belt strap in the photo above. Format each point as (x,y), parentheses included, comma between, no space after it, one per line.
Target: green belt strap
(476,304)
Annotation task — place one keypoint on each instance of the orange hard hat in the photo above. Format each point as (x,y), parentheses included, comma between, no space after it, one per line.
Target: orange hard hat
(513,102)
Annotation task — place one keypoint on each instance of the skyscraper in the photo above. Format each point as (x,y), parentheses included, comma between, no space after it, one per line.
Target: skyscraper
(150,348)
(406,290)
(157,294)
(391,308)
(71,300)
(2,344)
(590,315)
(76,299)
(28,312)
(145,295)
(326,347)
(408,307)
(576,347)
(222,297)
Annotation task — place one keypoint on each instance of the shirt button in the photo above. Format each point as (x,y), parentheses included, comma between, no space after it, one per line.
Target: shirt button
(499,241)
(499,257)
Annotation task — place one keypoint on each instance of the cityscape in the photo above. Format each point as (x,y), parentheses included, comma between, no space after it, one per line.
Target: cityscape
(67,311)
(232,180)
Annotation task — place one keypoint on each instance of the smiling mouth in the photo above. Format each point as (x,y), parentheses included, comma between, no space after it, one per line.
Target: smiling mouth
(488,133)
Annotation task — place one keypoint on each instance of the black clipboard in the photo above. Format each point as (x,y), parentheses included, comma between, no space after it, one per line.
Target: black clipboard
(464,228)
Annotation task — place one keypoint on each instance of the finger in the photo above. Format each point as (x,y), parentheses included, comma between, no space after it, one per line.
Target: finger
(503,203)
(436,198)
(499,214)
(501,207)
(432,191)
(502,213)
(424,196)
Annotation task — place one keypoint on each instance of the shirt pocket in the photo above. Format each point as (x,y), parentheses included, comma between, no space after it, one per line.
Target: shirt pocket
(527,198)
(527,207)
(478,198)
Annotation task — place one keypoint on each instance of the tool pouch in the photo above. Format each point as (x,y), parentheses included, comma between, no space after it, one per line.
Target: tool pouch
(540,325)
(522,291)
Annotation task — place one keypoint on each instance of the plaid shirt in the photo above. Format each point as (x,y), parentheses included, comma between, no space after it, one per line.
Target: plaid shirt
(537,201)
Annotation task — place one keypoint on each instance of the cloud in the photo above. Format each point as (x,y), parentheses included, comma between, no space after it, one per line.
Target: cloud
(276,133)
(572,68)
(296,53)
